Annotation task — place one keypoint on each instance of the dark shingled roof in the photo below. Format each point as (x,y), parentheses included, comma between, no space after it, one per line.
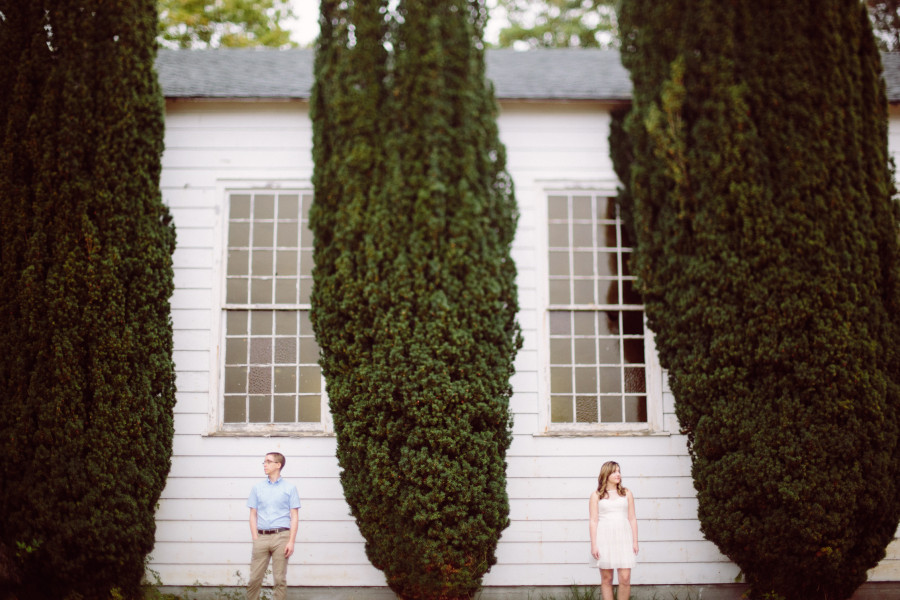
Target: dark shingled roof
(571,74)
(562,74)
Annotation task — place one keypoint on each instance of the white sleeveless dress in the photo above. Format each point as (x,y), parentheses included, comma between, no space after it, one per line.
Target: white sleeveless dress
(614,533)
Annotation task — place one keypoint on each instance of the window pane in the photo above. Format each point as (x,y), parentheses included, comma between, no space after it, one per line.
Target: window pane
(236,290)
(560,323)
(239,235)
(607,291)
(583,291)
(260,380)
(633,322)
(584,323)
(609,351)
(240,206)
(611,409)
(264,206)
(235,351)
(610,380)
(285,322)
(236,322)
(262,263)
(582,264)
(585,351)
(260,351)
(559,291)
(235,380)
(286,350)
(285,409)
(260,409)
(285,380)
(306,262)
(607,264)
(306,284)
(309,351)
(261,322)
(306,236)
(607,237)
(634,351)
(560,352)
(235,409)
(561,409)
(609,322)
(286,290)
(558,207)
(288,206)
(238,262)
(581,207)
(305,324)
(288,235)
(286,263)
(263,235)
(585,380)
(561,380)
(558,264)
(261,291)
(310,409)
(635,381)
(306,202)
(606,208)
(310,380)
(558,235)
(582,236)
(586,409)
(635,409)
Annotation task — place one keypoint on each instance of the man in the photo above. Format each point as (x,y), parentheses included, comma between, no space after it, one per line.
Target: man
(274,520)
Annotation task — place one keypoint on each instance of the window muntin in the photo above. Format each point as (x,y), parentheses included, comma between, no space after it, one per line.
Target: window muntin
(271,373)
(598,369)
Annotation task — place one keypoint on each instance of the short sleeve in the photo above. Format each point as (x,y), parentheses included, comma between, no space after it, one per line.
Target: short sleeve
(295,497)
(253,501)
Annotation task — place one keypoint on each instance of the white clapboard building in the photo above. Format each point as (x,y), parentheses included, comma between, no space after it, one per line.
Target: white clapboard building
(588,386)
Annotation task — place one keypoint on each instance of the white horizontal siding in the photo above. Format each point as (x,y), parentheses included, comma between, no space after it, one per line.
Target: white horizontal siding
(202,529)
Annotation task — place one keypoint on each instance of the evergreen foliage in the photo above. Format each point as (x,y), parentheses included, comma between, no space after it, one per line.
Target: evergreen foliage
(86,380)
(767,254)
(414,301)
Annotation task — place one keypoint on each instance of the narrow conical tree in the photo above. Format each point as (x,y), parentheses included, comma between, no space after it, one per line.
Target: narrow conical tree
(87,380)
(767,253)
(415,300)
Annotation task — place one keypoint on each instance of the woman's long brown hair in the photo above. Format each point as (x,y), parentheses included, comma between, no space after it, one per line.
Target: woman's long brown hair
(606,470)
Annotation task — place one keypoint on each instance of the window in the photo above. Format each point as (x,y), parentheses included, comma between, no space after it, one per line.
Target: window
(271,379)
(597,355)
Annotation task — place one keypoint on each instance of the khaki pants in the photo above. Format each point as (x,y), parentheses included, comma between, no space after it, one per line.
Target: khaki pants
(266,546)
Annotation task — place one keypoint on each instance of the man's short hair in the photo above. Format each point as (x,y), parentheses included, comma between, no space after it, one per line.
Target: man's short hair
(278,456)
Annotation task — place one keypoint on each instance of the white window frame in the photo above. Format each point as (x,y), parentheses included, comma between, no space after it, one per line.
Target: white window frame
(217,425)
(653,372)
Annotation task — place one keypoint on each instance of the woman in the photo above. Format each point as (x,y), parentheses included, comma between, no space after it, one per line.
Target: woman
(614,536)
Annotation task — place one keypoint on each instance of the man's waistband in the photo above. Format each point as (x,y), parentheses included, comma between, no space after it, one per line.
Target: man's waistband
(276,530)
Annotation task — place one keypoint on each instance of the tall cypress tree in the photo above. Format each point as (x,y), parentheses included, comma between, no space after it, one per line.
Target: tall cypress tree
(767,251)
(87,380)
(415,300)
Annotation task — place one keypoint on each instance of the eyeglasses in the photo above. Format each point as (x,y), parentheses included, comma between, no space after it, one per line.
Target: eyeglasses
(270,462)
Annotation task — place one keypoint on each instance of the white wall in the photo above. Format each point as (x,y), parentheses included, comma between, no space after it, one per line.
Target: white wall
(203,533)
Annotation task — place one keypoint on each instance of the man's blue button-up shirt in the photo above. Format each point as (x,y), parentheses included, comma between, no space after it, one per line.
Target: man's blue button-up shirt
(273,503)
